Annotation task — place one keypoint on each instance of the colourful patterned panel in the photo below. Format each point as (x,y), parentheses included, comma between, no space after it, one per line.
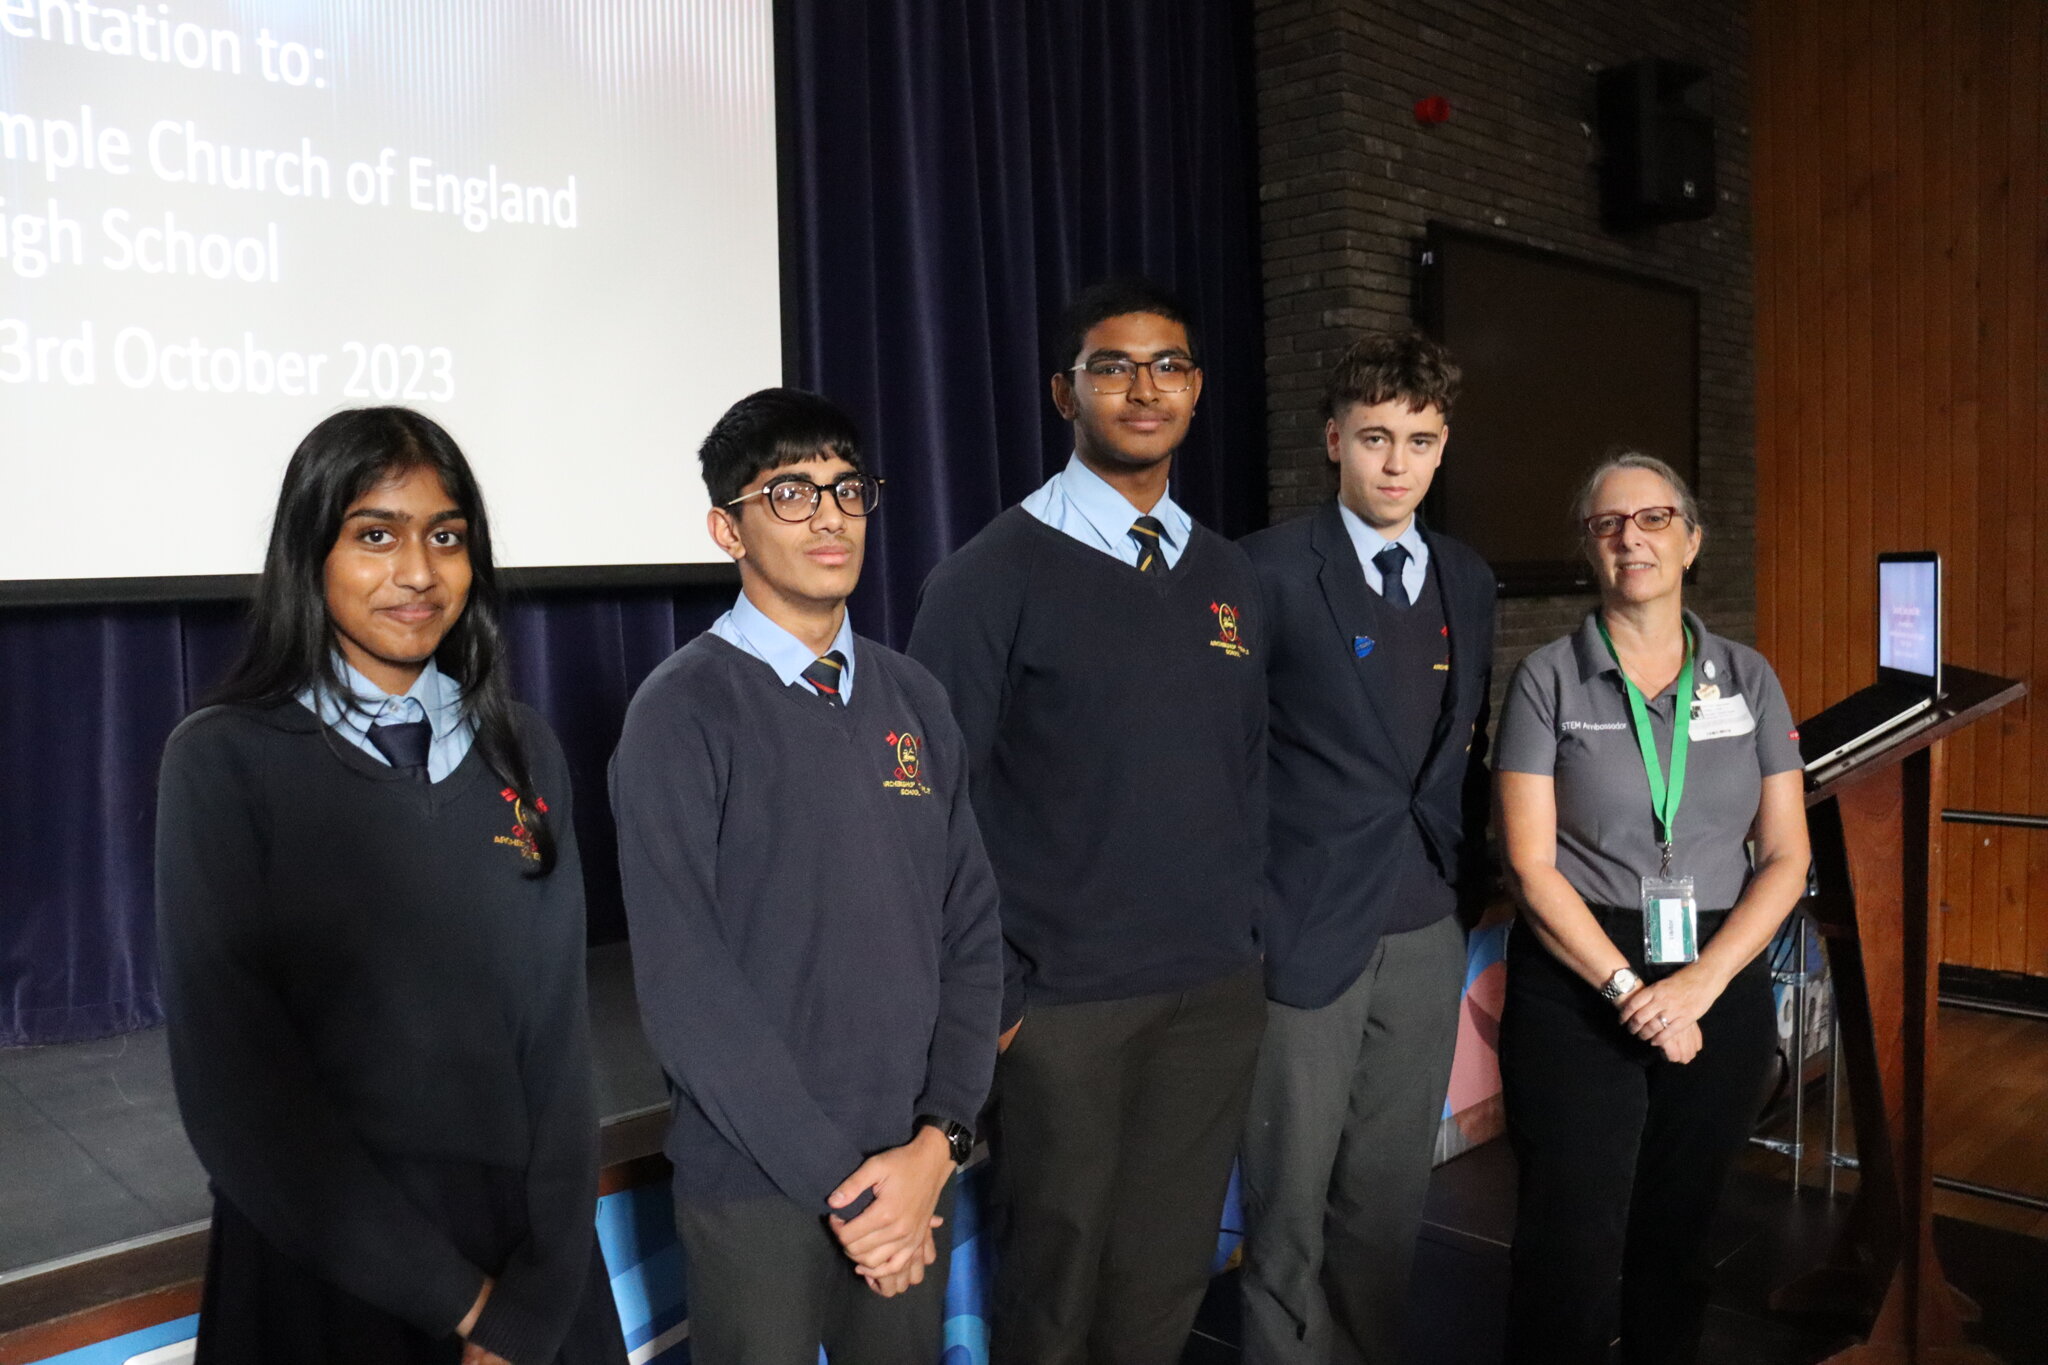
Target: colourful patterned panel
(1472,1112)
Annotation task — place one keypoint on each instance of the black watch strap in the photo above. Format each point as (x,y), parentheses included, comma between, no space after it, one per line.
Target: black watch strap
(959,1137)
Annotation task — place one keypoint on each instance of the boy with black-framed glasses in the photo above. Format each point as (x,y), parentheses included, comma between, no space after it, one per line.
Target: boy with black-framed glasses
(813,922)
(1104,654)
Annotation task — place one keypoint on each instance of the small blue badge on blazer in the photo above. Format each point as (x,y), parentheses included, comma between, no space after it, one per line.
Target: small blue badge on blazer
(1361,645)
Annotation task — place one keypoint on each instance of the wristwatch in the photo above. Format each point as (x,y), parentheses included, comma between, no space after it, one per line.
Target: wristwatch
(959,1137)
(1621,983)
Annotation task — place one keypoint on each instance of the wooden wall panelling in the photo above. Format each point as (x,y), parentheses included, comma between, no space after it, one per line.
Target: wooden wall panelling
(1963,537)
(1988,141)
(2014,47)
(1902,285)
(2028,250)
(1859,212)
(1771,359)
(1805,155)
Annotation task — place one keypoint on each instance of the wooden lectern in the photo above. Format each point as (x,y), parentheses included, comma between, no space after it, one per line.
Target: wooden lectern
(1875,820)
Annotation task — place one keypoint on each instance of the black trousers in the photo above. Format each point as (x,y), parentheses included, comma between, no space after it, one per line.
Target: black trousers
(1622,1154)
(768,1284)
(1116,1123)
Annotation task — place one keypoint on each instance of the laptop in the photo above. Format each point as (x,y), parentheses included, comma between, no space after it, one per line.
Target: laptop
(1908,663)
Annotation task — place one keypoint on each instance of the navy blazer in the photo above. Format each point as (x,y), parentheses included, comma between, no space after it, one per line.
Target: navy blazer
(1345,808)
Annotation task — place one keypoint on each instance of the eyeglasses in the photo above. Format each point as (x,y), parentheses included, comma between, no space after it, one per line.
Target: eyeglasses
(1116,374)
(796,498)
(1601,525)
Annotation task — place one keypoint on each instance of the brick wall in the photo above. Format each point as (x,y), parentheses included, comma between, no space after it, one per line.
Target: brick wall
(1348,179)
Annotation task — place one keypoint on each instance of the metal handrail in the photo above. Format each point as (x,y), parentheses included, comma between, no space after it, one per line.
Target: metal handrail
(2007,820)
(1995,817)
(2018,1199)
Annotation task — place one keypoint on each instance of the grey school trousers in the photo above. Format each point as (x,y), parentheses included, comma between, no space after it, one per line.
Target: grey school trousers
(1345,1106)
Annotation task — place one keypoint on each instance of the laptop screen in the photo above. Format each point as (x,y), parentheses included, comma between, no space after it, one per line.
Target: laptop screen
(1908,606)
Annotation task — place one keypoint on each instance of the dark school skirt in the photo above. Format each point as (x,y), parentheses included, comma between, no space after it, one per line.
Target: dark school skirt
(259,1308)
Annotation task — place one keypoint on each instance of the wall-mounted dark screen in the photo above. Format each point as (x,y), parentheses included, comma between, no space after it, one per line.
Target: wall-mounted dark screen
(1563,361)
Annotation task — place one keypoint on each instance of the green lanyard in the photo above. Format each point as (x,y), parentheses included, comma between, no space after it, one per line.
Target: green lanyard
(1663,798)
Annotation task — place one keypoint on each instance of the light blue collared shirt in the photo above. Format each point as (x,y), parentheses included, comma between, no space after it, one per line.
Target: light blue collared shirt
(1370,542)
(434,697)
(1078,501)
(747,627)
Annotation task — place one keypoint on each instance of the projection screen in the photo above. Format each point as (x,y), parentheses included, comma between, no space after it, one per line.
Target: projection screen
(549,224)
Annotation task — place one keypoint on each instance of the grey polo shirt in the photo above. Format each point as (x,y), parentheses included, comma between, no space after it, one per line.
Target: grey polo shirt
(1566,718)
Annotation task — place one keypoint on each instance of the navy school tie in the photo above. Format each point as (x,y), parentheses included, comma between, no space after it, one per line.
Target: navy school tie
(1390,562)
(405,746)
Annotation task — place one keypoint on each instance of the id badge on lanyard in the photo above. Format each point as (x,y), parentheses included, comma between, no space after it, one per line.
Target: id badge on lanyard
(1671,913)
(1671,921)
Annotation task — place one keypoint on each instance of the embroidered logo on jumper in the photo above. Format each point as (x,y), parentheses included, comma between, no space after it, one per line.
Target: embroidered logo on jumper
(1226,631)
(521,836)
(908,750)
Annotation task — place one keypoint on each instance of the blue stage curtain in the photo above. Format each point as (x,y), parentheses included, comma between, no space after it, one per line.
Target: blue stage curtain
(962,168)
(86,699)
(957,168)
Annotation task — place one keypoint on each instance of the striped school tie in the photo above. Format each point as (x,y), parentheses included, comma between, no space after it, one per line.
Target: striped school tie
(1147,532)
(824,674)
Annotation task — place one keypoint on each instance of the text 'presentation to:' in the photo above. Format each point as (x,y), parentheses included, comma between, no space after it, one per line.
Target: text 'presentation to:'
(548,224)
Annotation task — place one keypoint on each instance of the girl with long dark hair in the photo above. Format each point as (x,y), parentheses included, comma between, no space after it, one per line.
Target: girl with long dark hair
(371,915)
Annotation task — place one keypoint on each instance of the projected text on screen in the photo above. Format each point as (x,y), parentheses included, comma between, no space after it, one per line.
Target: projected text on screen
(551,226)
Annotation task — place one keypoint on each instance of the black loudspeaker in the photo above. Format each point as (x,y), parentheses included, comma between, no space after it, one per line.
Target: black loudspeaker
(1657,141)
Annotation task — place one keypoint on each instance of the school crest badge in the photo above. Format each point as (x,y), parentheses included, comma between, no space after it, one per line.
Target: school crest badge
(1227,631)
(907,751)
(521,836)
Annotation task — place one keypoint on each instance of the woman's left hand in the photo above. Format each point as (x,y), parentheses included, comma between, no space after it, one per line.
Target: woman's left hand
(473,1354)
(1679,999)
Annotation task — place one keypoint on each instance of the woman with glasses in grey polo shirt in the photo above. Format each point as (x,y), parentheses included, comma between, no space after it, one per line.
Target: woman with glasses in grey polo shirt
(1639,1018)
